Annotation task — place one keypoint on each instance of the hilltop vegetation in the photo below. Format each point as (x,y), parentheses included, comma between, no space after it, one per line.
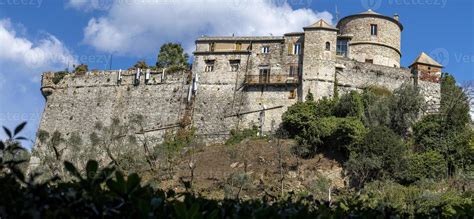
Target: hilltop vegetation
(360,155)
(384,136)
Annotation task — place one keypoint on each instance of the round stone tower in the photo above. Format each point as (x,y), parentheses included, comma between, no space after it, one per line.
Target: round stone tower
(375,38)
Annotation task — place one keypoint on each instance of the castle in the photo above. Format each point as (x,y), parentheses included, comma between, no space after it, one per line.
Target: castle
(277,71)
(240,82)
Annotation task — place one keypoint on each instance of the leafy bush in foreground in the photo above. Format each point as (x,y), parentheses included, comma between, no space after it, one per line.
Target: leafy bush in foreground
(108,193)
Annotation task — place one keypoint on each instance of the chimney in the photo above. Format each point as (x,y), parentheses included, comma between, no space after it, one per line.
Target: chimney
(396,17)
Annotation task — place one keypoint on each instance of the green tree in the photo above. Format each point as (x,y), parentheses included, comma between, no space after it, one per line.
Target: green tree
(454,103)
(425,165)
(331,133)
(405,106)
(172,55)
(433,133)
(380,155)
(376,107)
(82,68)
(299,116)
(448,131)
(141,64)
(350,105)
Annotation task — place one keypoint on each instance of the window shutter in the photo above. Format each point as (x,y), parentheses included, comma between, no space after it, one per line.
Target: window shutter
(290,49)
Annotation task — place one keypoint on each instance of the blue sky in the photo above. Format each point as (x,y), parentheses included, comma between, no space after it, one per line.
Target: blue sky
(42,35)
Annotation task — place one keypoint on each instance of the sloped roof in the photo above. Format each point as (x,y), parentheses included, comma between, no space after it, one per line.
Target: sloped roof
(321,24)
(423,58)
(370,12)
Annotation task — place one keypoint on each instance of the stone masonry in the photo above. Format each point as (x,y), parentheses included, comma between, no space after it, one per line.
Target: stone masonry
(239,82)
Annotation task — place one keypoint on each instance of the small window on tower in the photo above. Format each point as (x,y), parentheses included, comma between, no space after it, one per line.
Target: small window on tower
(328,46)
(234,65)
(212,46)
(297,49)
(265,49)
(238,46)
(373,29)
(209,66)
(341,47)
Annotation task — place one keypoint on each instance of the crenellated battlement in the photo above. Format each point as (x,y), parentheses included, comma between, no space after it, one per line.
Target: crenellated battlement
(52,81)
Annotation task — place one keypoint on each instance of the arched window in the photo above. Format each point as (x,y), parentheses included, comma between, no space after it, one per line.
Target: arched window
(328,46)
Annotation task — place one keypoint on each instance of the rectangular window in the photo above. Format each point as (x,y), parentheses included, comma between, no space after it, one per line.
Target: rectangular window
(265,49)
(341,47)
(297,49)
(294,71)
(238,46)
(371,61)
(234,65)
(373,29)
(264,74)
(212,46)
(209,66)
(292,94)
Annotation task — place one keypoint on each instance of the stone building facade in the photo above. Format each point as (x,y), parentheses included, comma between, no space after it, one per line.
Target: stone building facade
(264,75)
(238,82)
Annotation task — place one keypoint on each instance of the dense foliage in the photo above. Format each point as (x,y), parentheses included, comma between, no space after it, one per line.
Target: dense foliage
(81,69)
(172,57)
(108,193)
(141,64)
(400,162)
(388,136)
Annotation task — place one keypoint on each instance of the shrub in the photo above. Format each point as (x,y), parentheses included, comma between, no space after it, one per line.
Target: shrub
(58,77)
(380,155)
(105,192)
(426,165)
(434,133)
(176,69)
(141,64)
(299,116)
(379,91)
(349,105)
(237,136)
(81,69)
(376,108)
(405,106)
(336,134)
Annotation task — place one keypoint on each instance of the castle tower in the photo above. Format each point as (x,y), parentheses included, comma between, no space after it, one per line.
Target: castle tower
(319,59)
(375,38)
(426,68)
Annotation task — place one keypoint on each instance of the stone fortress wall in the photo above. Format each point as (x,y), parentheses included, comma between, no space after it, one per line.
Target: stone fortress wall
(220,104)
(77,103)
(229,86)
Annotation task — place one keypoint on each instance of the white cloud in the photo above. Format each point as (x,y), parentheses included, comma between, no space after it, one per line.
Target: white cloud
(90,5)
(140,27)
(22,61)
(24,56)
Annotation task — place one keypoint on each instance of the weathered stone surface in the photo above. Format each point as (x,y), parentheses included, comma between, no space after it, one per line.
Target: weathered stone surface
(224,99)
